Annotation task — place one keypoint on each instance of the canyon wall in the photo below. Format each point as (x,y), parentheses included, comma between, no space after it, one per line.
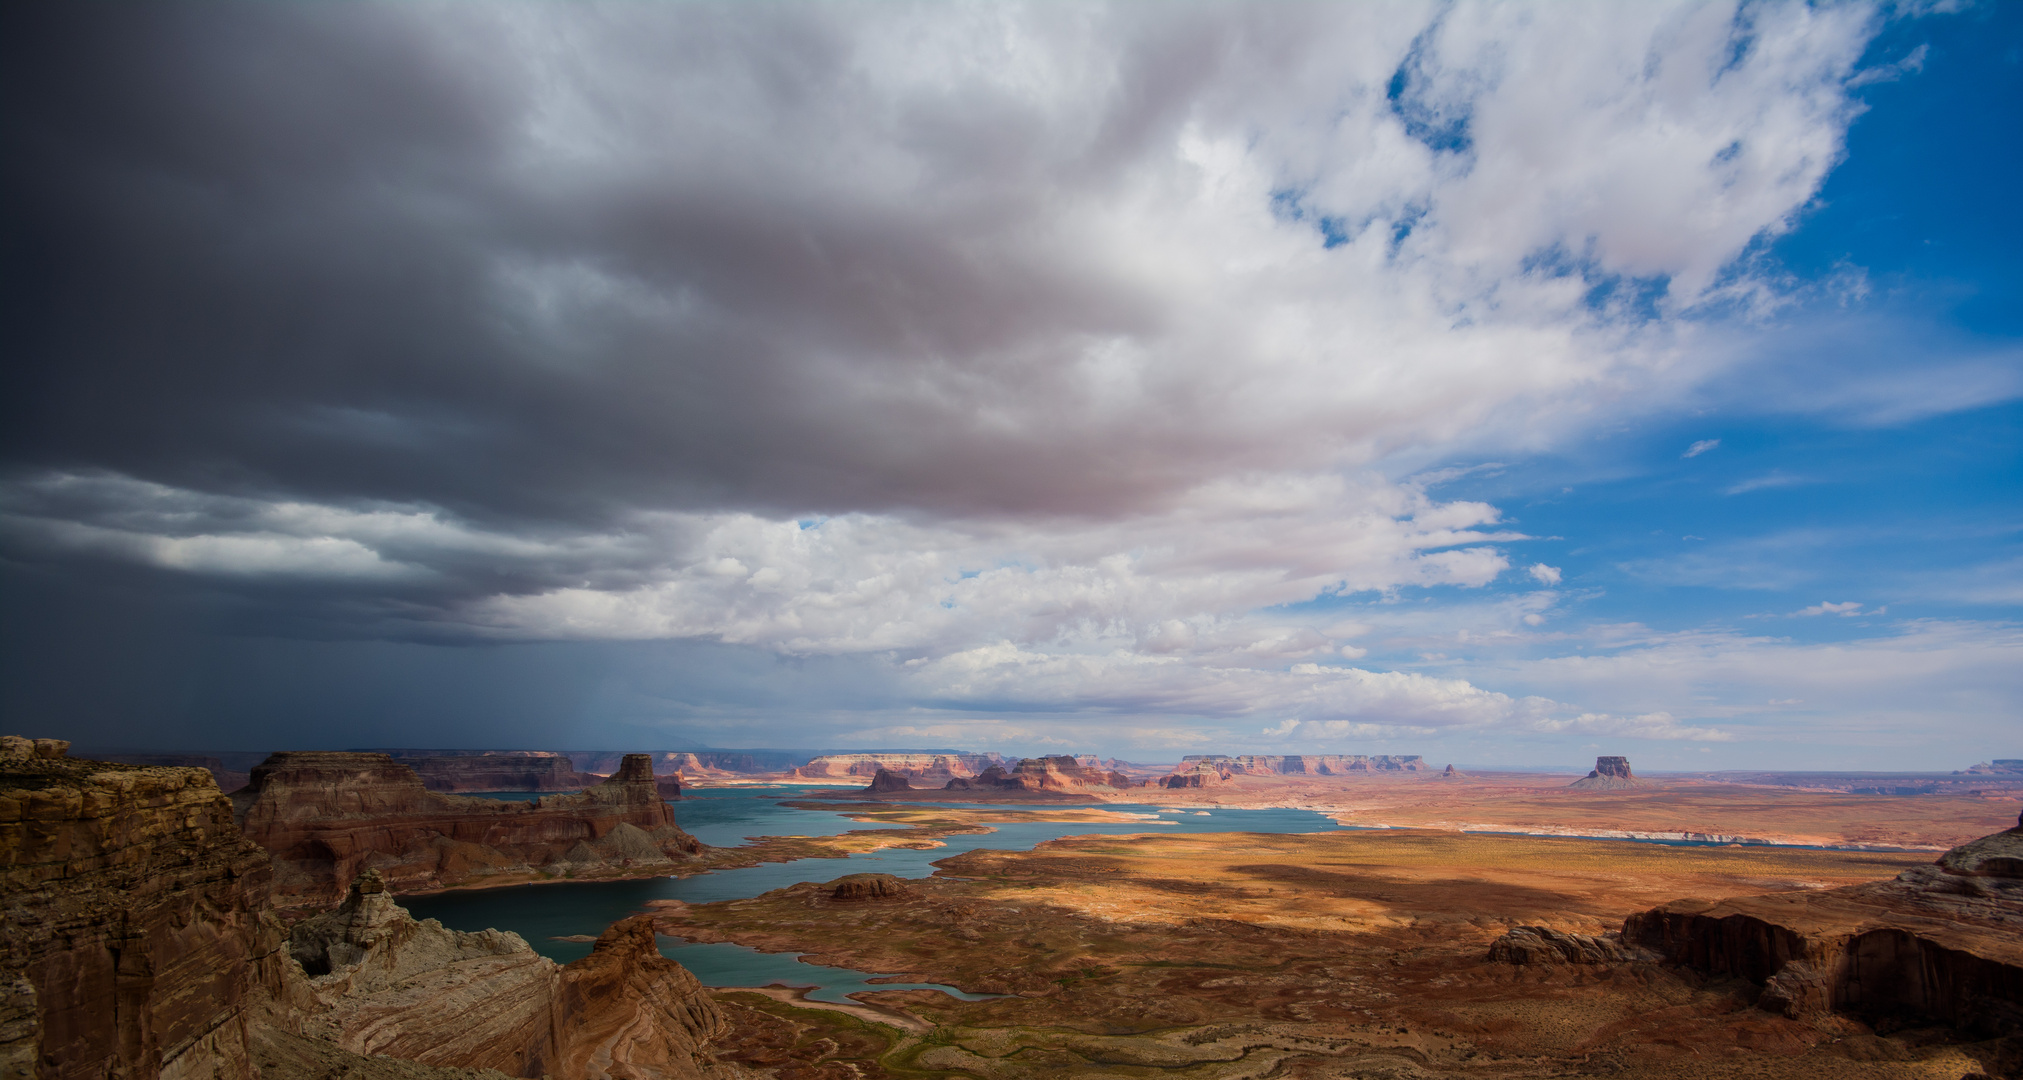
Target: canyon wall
(327,816)
(1304,764)
(694,763)
(1941,942)
(137,941)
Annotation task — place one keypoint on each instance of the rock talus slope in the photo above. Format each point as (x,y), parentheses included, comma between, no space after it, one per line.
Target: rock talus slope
(327,816)
(1941,942)
(137,941)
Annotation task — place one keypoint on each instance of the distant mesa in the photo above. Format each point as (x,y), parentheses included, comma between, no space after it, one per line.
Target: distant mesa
(1998,767)
(1207,770)
(1452,773)
(1061,773)
(1611,774)
(887,780)
(923,769)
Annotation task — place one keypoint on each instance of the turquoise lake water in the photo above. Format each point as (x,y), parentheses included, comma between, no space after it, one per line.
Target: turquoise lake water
(728,817)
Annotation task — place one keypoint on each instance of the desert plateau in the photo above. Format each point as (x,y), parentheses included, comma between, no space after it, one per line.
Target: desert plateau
(1400,923)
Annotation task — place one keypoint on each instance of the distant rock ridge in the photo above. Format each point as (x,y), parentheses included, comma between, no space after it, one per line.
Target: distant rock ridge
(1997,767)
(1610,774)
(1307,764)
(327,816)
(1451,773)
(1061,773)
(925,769)
(1940,942)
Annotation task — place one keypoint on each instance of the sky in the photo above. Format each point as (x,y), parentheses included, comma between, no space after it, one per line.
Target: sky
(1503,383)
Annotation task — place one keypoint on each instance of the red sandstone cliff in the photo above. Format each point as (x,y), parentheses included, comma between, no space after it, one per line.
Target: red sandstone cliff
(137,939)
(327,816)
(1943,942)
(139,944)
(922,769)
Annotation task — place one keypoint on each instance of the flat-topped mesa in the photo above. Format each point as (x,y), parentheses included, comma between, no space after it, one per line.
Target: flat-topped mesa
(1308,764)
(1610,774)
(1195,773)
(325,816)
(1061,773)
(1940,942)
(137,931)
(1997,767)
(924,769)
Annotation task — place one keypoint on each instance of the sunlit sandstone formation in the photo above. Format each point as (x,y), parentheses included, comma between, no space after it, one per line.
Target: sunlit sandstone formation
(327,816)
(1944,941)
(926,770)
(1307,764)
(1057,774)
(1610,774)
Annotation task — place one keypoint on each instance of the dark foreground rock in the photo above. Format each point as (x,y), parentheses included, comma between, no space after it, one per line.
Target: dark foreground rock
(1937,943)
(866,887)
(887,780)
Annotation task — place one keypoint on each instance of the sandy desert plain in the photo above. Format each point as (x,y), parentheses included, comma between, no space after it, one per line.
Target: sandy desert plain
(1358,953)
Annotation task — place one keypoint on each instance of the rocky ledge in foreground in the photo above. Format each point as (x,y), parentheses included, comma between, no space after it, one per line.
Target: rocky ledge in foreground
(140,943)
(325,817)
(1942,942)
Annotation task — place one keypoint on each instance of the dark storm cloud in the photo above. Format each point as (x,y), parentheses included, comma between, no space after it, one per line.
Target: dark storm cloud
(303,250)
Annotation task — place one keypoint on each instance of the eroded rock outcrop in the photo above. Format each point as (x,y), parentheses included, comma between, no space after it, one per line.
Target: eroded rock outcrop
(1610,774)
(1201,773)
(1544,945)
(866,887)
(137,941)
(327,816)
(887,780)
(1452,773)
(386,984)
(1941,942)
(1060,774)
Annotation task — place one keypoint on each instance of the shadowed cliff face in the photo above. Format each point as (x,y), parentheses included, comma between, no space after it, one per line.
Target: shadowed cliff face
(499,772)
(1942,942)
(327,816)
(137,938)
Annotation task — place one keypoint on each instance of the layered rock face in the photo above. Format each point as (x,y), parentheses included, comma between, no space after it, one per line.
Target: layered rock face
(1942,942)
(327,816)
(136,942)
(386,984)
(693,763)
(1610,774)
(229,779)
(931,770)
(499,772)
(1200,773)
(1057,774)
(1308,764)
